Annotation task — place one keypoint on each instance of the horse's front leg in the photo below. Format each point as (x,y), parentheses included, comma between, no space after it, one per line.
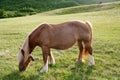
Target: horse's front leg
(46,52)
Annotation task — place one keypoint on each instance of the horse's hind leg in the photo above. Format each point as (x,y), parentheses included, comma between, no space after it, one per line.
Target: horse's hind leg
(52,60)
(88,48)
(46,52)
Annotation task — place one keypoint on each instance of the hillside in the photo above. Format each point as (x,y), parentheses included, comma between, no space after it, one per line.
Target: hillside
(13,8)
(85,8)
(43,5)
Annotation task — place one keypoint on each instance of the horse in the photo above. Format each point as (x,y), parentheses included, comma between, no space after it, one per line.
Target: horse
(57,36)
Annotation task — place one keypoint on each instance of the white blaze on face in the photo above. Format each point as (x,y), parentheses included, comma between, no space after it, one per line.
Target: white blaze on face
(20,56)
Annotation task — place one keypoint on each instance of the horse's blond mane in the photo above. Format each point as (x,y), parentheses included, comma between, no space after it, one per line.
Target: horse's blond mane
(25,48)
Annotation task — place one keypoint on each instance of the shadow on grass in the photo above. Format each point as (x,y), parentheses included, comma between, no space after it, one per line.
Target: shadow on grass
(16,75)
(80,72)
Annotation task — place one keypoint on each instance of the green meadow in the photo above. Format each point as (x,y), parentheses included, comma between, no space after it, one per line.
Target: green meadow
(105,19)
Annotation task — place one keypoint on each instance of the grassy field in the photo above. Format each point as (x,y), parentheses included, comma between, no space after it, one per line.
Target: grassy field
(106,44)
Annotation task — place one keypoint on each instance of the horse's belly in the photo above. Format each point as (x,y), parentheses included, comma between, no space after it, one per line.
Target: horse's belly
(63,38)
(62,47)
(63,44)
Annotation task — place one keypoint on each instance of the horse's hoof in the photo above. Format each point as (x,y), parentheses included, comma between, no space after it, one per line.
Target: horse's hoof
(78,61)
(52,62)
(91,63)
(43,71)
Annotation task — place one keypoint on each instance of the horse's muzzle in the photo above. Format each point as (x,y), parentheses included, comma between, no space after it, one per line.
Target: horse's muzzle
(22,68)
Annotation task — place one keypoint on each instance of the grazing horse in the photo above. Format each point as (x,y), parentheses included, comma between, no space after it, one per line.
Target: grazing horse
(57,36)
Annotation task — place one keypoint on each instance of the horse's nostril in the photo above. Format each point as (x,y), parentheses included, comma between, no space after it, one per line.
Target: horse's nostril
(22,68)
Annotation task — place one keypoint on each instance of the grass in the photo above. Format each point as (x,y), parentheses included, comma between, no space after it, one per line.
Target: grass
(106,46)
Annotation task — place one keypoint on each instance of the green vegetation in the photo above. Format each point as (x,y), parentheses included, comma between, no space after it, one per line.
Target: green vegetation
(106,44)
(15,8)
(85,8)
(2,13)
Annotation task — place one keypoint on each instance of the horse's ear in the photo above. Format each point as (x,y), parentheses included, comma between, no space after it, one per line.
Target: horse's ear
(22,51)
(20,48)
(31,58)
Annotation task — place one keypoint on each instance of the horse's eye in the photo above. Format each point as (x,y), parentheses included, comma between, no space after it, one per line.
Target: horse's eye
(22,51)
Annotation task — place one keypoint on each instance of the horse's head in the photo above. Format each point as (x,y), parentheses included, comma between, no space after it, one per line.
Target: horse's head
(24,60)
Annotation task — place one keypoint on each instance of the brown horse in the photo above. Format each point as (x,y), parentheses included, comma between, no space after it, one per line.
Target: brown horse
(58,36)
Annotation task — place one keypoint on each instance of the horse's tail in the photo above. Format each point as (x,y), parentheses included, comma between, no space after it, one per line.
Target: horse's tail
(89,25)
(90,30)
(85,52)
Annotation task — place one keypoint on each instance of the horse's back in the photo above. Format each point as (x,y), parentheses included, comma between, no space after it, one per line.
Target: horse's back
(60,36)
(66,34)
(73,28)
